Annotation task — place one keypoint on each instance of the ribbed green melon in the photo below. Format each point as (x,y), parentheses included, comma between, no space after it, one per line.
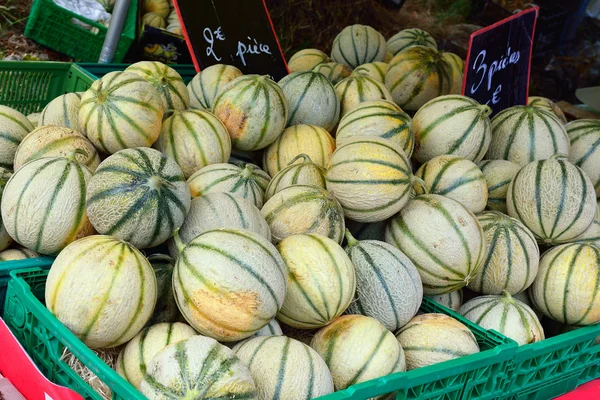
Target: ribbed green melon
(512,256)
(207,84)
(506,315)
(456,178)
(455,61)
(367,231)
(17,254)
(358,44)
(553,198)
(197,368)
(166,308)
(442,238)
(452,124)
(304,209)
(408,38)
(379,118)
(166,81)
(62,111)
(548,105)
(452,300)
(229,283)
(523,134)
(138,195)
(154,20)
(158,7)
(370,177)
(304,173)
(284,368)
(194,139)
(357,349)
(175,28)
(307,59)
(56,141)
(249,182)
(388,286)
(417,75)
(584,135)
(321,281)
(121,110)
(254,111)
(5,239)
(135,357)
(311,140)
(566,287)
(375,70)
(333,71)
(458,66)
(357,89)
(311,99)
(102,289)
(14,126)
(434,338)
(498,174)
(43,204)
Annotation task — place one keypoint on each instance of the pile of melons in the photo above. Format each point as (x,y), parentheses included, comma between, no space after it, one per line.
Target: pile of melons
(161,14)
(315,206)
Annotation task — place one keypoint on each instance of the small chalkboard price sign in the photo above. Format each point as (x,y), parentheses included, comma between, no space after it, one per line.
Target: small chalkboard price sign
(499,61)
(234,32)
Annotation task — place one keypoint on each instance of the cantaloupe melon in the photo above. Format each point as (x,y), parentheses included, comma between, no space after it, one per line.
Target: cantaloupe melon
(523,134)
(284,368)
(506,315)
(553,198)
(566,287)
(62,111)
(452,300)
(158,7)
(452,124)
(321,281)
(379,118)
(135,357)
(304,209)
(307,59)
(498,174)
(357,349)
(456,178)
(194,139)
(548,105)
(408,38)
(333,71)
(584,136)
(357,89)
(207,84)
(43,204)
(375,70)
(166,80)
(14,127)
(254,111)
(443,240)
(138,195)
(229,283)
(166,308)
(56,141)
(121,110)
(457,66)
(370,177)
(102,289)
(311,140)
(175,28)
(154,20)
(455,61)
(358,44)
(311,100)
(304,173)
(417,75)
(197,368)
(433,338)
(20,253)
(388,286)
(5,239)
(512,256)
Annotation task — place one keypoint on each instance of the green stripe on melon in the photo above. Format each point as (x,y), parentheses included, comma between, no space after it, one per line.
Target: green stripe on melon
(452,124)
(207,84)
(333,71)
(442,238)
(221,291)
(358,44)
(166,81)
(455,61)
(271,329)
(102,289)
(548,105)
(307,59)
(408,38)
(138,195)
(357,89)
(14,126)
(452,300)
(154,20)
(304,173)
(62,111)
(375,70)
(194,139)
(584,136)
(498,175)
(121,110)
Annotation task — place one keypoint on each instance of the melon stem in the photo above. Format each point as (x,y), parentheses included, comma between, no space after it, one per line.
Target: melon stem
(415,180)
(71,155)
(485,110)
(506,296)
(247,172)
(305,159)
(351,239)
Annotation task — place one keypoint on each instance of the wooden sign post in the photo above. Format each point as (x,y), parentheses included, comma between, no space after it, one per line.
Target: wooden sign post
(498,62)
(234,32)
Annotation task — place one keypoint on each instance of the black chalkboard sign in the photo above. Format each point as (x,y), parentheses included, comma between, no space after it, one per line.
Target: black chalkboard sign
(234,32)
(499,62)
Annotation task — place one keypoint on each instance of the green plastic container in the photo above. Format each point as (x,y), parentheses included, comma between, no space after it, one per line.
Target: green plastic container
(7,266)
(29,86)
(55,27)
(477,376)
(187,71)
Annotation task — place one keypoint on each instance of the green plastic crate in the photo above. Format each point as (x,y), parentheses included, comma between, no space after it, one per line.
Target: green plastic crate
(7,266)
(187,71)
(29,86)
(477,376)
(51,25)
